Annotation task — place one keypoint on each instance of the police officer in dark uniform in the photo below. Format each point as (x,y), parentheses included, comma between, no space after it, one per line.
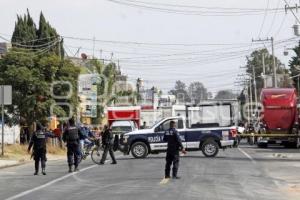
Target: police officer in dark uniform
(38,142)
(107,142)
(72,137)
(174,146)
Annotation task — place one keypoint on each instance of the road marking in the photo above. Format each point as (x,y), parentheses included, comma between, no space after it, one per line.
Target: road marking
(247,155)
(48,184)
(22,194)
(164,181)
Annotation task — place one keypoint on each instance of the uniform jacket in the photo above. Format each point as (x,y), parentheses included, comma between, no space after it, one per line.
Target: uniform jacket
(174,142)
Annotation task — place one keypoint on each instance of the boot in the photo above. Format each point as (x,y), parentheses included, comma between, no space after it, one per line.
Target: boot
(76,169)
(36,167)
(44,171)
(70,169)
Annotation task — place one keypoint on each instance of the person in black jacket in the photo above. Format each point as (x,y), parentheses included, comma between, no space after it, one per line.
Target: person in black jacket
(72,136)
(174,146)
(107,142)
(38,142)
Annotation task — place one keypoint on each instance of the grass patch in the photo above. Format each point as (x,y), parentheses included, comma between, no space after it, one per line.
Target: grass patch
(19,152)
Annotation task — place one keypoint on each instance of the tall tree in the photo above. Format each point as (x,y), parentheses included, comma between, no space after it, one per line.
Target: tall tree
(294,65)
(31,77)
(197,92)
(24,34)
(45,38)
(225,94)
(255,61)
(47,35)
(180,91)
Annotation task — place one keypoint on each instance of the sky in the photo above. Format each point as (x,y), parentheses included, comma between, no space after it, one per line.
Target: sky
(162,47)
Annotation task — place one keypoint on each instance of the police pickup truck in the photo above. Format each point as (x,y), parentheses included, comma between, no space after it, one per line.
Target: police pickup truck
(207,139)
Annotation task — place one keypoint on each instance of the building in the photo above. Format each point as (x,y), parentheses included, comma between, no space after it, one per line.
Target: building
(283,80)
(87,92)
(4,47)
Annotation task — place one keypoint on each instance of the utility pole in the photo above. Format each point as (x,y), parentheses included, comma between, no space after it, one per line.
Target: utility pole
(59,48)
(287,7)
(255,89)
(264,70)
(250,96)
(2,111)
(94,40)
(274,63)
(248,109)
(298,85)
(274,59)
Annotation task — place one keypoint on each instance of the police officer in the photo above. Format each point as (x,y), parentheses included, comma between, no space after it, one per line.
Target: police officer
(72,137)
(38,142)
(174,146)
(107,142)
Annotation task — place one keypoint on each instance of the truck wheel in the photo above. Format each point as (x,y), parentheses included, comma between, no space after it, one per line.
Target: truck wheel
(139,150)
(210,148)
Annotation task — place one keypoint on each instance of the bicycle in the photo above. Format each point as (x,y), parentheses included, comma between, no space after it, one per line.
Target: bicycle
(95,150)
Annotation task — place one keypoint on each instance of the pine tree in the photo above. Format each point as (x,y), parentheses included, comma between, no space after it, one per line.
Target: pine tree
(294,65)
(46,34)
(24,34)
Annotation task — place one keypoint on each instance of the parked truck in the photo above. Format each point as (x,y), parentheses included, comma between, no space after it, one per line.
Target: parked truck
(280,117)
(123,119)
(207,135)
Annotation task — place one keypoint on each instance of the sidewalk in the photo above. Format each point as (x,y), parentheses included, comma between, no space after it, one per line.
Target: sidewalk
(10,163)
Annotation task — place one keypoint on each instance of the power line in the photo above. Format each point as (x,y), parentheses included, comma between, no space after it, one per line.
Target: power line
(274,17)
(154,44)
(186,12)
(287,7)
(201,7)
(264,19)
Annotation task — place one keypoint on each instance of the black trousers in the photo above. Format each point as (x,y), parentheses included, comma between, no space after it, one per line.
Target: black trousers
(172,158)
(108,148)
(73,153)
(39,155)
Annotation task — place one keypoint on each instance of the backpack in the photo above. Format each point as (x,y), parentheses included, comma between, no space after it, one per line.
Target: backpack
(73,134)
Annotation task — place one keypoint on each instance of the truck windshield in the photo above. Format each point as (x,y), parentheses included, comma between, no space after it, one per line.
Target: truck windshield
(121,129)
(159,121)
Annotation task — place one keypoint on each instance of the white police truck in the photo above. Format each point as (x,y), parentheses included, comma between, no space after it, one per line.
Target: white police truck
(208,138)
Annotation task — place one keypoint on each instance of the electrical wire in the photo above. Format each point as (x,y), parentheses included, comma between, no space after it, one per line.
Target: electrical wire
(292,12)
(274,17)
(264,19)
(185,12)
(153,44)
(201,7)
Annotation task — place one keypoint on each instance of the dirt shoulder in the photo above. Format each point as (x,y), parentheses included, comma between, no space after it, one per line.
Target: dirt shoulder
(17,154)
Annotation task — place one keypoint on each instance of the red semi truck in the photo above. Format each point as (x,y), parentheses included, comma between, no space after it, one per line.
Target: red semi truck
(280,119)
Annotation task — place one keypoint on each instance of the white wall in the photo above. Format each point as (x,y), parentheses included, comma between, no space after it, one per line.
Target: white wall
(11,134)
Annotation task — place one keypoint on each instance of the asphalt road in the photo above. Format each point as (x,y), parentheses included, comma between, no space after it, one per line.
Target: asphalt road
(243,173)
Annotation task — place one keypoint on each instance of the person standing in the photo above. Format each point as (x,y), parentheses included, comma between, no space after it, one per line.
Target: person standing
(71,136)
(107,142)
(38,142)
(144,126)
(174,146)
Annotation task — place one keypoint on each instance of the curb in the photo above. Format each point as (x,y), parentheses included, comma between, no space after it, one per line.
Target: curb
(14,165)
